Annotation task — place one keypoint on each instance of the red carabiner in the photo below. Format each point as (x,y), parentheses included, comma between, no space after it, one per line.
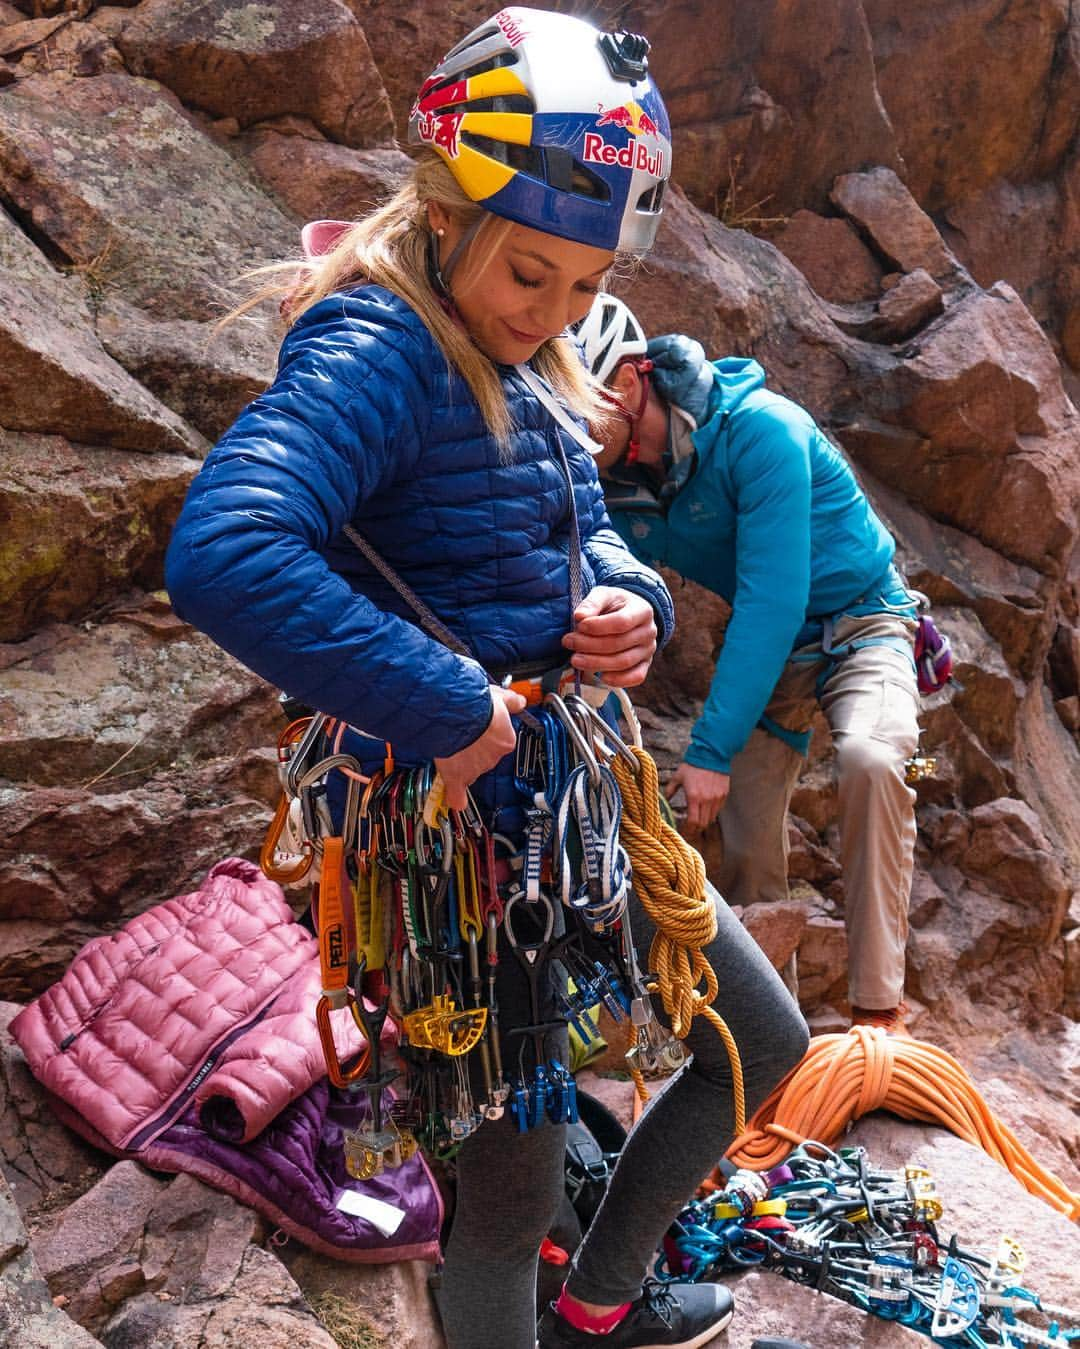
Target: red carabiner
(488,884)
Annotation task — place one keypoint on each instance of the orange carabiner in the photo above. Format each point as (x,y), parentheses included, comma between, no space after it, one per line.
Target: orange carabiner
(270,868)
(339,1076)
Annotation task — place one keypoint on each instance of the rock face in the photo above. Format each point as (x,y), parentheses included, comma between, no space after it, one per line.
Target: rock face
(57,378)
(899,247)
(113,173)
(78,523)
(146,1262)
(41,1161)
(239,61)
(28,1315)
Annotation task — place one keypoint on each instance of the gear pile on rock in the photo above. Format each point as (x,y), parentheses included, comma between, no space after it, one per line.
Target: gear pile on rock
(833,1222)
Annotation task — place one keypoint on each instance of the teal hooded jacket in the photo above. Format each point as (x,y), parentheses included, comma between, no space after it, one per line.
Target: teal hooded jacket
(767,513)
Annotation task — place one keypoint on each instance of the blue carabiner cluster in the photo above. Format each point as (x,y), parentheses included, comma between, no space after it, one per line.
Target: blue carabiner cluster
(831,1221)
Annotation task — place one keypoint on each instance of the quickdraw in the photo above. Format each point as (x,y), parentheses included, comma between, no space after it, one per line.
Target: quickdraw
(413,906)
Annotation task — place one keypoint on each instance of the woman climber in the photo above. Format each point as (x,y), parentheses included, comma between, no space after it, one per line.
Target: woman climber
(421,405)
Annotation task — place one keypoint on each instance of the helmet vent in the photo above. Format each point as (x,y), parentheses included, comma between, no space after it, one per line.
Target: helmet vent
(523,158)
(483,34)
(567,174)
(501,103)
(649,202)
(585,183)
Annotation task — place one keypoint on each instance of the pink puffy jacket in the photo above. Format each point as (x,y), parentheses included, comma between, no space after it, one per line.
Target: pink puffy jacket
(210,996)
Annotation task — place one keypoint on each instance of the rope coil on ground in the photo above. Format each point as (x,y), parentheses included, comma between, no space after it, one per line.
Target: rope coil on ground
(843,1077)
(669,879)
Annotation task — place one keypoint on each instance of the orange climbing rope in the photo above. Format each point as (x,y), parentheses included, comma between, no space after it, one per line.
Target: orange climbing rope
(843,1077)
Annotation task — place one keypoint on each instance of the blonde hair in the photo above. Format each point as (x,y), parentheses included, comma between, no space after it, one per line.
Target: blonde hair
(390,247)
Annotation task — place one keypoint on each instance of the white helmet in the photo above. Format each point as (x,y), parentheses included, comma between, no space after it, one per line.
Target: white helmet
(610,333)
(547,121)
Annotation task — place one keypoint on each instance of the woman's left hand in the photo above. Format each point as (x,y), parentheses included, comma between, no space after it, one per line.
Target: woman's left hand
(614,636)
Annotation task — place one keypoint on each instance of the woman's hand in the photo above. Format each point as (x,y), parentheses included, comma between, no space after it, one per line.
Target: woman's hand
(459,771)
(705,791)
(614,636)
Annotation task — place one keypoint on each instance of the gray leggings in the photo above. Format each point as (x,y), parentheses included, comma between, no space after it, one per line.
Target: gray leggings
(510,1184)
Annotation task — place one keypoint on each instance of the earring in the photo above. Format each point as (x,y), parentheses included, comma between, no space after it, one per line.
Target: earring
(440,232)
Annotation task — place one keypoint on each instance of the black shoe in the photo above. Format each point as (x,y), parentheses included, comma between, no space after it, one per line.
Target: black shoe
(666,1316)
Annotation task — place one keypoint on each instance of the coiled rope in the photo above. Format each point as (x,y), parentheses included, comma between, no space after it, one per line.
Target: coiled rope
(669,879)
(843,1077)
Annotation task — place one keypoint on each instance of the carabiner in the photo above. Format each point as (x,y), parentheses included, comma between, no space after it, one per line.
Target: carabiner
(339,1076)
(593,718)
(284,875)
(581,743)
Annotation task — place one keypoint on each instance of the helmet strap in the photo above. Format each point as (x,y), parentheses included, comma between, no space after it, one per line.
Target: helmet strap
(643,365)
(444,273)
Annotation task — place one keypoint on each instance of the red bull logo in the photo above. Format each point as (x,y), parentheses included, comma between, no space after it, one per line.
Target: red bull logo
(441,131)
(630,117)
(620,116)
(633,155)
(432,96)
(512,30)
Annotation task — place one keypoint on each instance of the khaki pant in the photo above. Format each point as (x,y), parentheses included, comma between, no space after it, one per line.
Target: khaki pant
(871,703)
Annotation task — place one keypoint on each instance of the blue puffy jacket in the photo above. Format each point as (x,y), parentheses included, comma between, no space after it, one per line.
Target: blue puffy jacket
(366,424)
(768,514)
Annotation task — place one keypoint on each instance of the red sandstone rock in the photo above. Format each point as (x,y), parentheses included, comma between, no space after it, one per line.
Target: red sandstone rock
(951,567)
(317,180)
(92,697)
(40,1159)
(113,172)
(912,302)
(74,49)
(777,928)
(958,135)
(394,1298)
(132,1252)
(54,375)
(230,59)
(831,256)
(205,375)
(16,37)
(28,1315)
(981,391)
(1011,232)
(81,525)
(768,102)
(879,203)
(408,38)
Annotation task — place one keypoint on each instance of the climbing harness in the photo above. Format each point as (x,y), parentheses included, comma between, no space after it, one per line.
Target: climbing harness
(409,907)
(833,1222)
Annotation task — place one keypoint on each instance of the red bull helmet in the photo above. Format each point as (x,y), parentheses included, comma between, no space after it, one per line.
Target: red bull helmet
(609,333)
(548,122)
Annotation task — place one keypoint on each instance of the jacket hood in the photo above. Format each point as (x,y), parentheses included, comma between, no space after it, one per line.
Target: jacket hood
(736,376)
(733,378)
